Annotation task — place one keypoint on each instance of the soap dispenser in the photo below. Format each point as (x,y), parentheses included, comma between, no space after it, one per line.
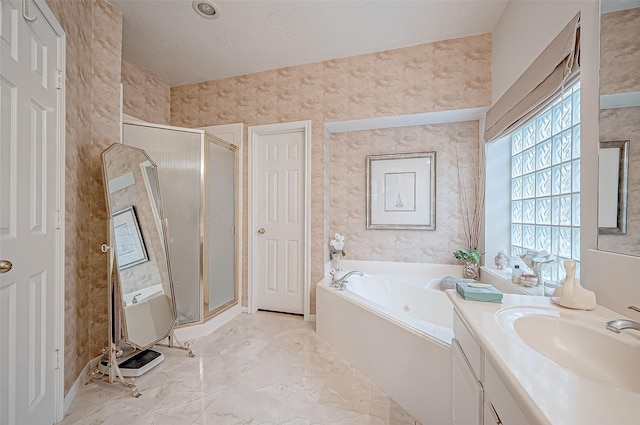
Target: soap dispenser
(572,294)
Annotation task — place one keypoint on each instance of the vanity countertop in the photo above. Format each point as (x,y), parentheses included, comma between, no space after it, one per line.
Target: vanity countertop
(546,392)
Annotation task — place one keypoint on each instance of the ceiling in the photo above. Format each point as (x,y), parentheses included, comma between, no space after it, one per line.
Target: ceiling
(168,39)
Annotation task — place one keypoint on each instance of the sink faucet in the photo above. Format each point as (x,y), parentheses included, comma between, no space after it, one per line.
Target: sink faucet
(341,283)
(622,324)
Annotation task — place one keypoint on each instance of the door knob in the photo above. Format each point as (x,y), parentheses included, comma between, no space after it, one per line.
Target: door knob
(261,230)
(5,266)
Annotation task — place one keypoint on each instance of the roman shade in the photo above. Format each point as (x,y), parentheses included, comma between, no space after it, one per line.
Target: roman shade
(539,83)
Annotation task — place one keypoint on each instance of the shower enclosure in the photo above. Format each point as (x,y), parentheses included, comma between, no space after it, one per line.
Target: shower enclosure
(198,186)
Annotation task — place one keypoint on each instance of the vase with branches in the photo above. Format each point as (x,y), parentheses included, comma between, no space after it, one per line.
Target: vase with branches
(471,188)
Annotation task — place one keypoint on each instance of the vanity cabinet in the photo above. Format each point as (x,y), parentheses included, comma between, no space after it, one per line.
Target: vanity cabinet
(500,407)
(468,363)
(467,391)
(479,395)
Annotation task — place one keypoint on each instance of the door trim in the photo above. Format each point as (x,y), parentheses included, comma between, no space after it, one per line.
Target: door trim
(58,313)
(253,133)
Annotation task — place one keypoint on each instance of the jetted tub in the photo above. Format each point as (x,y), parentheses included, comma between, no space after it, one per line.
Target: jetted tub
(395,325)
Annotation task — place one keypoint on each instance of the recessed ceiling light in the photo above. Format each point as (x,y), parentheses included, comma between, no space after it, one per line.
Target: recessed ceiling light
(206,8)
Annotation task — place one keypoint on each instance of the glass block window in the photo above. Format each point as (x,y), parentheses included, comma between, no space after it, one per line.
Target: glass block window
(545,183)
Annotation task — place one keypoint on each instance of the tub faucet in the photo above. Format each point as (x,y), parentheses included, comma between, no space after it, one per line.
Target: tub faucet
(622,324)
(135,298)
(341,283)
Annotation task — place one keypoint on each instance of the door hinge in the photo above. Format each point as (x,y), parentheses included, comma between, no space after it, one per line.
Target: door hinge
(59,223)
(57,358)
(59,79)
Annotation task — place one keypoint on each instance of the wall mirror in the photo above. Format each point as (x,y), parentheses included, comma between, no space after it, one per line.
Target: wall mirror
(619,178)
(143,291)
(613,171)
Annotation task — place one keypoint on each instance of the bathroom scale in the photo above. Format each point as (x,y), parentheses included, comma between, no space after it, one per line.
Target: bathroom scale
(135,365)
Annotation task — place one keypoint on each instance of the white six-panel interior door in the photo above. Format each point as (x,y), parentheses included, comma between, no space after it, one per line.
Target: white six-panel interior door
(279,217)
(31,198)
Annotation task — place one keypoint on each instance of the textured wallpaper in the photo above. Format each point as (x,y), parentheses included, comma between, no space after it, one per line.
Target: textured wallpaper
(446,75)
(619,51)
(145,96)
(72,17)
(348,191)
(93,50)
(105,130)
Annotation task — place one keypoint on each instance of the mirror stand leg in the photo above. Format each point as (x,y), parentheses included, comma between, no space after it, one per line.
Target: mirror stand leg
(174,343)
(114,372)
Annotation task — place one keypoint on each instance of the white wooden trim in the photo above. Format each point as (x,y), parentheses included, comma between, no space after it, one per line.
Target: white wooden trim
(261,130)
(60,204)
(82,378)
(424,118)
(141,123)
(223,131)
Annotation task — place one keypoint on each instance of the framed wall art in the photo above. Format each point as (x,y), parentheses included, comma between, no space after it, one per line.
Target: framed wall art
(401,191)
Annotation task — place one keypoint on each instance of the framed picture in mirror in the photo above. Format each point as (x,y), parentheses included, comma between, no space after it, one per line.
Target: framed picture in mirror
(129,243)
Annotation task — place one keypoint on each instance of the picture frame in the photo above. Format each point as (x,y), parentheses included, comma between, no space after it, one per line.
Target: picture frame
(401,191)
(130,248)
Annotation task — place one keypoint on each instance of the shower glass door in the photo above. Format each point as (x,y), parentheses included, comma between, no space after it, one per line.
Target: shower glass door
(221,226)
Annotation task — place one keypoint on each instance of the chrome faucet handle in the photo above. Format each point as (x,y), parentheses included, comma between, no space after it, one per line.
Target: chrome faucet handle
(622,324)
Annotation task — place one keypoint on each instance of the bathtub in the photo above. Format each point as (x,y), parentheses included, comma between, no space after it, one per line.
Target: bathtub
(395,325)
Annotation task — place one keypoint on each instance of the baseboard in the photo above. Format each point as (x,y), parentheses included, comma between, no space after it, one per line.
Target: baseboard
(82,379)
(203,329)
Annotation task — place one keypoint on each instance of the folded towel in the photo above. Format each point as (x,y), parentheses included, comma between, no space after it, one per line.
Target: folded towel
(449,282)
(486,293)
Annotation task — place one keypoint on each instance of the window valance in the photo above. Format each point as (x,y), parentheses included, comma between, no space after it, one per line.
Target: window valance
(539,83)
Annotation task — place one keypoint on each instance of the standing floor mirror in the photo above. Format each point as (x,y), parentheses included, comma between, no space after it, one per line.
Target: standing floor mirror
(142,309)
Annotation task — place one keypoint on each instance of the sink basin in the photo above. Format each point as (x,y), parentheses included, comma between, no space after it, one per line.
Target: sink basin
(582,346)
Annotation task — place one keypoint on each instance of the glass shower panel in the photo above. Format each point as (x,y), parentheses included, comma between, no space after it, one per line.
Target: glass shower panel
(178,155)
(221,221)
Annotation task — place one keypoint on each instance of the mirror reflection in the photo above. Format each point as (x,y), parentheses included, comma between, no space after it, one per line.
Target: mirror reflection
(619,155)
(144,283)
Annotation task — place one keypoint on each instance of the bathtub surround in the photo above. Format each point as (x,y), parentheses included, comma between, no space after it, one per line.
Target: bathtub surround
(442,76)
(404,326)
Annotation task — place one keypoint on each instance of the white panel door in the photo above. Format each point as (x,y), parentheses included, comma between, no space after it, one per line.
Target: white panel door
(29,229)
(279,255)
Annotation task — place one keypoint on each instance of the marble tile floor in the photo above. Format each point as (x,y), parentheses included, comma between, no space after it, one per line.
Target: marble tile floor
(267,368)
